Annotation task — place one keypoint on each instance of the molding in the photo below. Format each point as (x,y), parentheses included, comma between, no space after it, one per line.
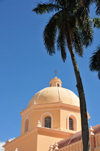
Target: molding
(38,130)
(59,105)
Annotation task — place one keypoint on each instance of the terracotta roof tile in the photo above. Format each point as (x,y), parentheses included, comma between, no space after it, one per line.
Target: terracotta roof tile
(76,137)
(96,129)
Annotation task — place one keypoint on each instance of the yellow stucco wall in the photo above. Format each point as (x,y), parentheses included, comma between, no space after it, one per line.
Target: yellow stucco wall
(97,138)
(58,113)
(39,139)
(36,115)
(64,119)
(44,142)
(97,149)
(27,142)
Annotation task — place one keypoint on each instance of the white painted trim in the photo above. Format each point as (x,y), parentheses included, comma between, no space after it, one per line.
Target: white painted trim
(42,118)
(72,114)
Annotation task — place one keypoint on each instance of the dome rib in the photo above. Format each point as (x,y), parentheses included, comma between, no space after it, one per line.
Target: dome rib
(59,94)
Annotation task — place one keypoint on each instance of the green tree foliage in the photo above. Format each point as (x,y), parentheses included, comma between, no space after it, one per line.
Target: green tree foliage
(95,59)
(96,22)
(97,2)
(95,62)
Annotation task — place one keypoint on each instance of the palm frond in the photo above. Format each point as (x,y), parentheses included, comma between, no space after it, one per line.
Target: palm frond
(86,3)
(96,22)
(80,21)
(77,42)
(50,34)
(45,8)
(86,28)
(87,33)
(95,61)
(61,45)
(97,6)
(99,75)
(61,3)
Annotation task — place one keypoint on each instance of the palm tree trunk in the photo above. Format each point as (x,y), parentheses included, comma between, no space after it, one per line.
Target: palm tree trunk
(83,110)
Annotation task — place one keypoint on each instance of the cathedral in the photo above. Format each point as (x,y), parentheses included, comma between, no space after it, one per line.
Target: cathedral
(52,122)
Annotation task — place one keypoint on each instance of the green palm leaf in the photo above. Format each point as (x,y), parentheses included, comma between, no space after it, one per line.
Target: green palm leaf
(96,22)
(77,42)
(46,8)
(97,6)
(61,45)
(50,34)
(95,62)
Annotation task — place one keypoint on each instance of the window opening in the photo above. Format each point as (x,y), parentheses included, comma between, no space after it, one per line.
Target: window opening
(71,124)
(47,122)
(57,85)
(26,125)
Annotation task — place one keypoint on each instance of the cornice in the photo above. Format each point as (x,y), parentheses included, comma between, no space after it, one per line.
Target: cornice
(41,131)
(59,105)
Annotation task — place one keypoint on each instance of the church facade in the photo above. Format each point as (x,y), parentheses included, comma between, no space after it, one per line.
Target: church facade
(52,122)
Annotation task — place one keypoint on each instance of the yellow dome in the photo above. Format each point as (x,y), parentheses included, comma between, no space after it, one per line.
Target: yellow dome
(54,94)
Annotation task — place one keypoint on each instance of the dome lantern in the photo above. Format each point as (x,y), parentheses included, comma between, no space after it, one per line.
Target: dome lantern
(55,82)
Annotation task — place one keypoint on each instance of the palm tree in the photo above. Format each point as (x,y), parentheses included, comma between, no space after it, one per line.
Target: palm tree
(95,62)
(69,26)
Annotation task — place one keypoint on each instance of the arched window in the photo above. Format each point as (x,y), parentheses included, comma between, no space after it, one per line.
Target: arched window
(47,122)
(71,124)
(57,84)
(26,125)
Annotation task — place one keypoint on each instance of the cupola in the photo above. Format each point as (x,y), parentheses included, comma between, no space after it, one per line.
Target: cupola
(55,82)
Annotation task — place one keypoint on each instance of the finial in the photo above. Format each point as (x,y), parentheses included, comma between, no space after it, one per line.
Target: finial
(38,124)
(51,148)
(56,147)
(7,141)
(91,130)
